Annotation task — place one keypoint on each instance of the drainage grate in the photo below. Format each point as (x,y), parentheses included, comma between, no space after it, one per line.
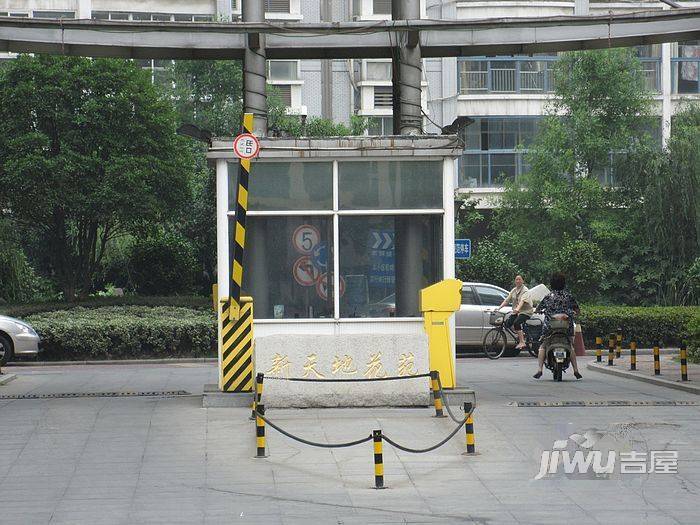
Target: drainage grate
(163,393)
(602,403)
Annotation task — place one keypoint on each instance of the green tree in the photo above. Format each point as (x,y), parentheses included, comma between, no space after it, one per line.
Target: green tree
(594,129)
(88,151)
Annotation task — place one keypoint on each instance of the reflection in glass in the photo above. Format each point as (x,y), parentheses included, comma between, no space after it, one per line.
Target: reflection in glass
(288,266)
(385,261)
(390,184)
(285,186)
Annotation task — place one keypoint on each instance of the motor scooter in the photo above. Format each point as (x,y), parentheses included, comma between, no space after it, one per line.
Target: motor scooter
(559,347)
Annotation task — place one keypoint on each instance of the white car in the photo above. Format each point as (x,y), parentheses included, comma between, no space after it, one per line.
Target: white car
(17,339)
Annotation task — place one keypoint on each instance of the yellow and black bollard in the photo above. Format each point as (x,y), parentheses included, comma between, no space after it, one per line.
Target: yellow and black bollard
(257,397)
(260,432)
(657,359)
(618,350)
(598,349)
(684,362)
(469,429)
(633,355)
(378,460)
(437,397)
(611,350)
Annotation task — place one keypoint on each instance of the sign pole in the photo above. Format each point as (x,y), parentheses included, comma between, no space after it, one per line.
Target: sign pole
(239,231)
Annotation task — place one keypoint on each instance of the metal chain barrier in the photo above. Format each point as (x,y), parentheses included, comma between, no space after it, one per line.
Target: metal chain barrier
(437,445)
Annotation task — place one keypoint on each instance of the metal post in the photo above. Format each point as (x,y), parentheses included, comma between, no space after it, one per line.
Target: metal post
(255,67)
(633,355)
(437,398)
(618,351)
(598,349)
(260,432)
(469,429)
(407,72)
(657,359)
(611,350)
(257,397)
(684,362)
(378,460)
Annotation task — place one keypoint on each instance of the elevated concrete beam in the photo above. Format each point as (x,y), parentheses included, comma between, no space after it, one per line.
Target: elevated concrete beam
(347,39)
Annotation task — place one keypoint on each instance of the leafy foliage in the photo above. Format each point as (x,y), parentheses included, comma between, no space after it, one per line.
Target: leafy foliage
(164,264)
(126,332)
(489,265)
(88,151)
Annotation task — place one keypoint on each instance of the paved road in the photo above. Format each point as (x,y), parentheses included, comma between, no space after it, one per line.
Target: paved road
(150,460)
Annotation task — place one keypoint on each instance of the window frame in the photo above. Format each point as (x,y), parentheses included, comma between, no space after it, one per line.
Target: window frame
(336,213)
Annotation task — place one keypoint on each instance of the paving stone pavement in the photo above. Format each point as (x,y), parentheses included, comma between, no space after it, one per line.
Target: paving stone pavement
(168,460)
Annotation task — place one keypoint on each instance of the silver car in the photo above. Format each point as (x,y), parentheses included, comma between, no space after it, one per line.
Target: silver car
(17,339)
(472,318)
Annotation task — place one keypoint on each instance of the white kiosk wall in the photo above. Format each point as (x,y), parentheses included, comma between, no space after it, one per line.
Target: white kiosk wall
(342,233)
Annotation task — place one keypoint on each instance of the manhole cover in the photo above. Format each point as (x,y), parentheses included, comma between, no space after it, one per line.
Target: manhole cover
(602,403)
(163,393)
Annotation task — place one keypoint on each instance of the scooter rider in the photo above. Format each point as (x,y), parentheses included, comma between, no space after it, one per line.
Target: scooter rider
(558,301)
(522,309)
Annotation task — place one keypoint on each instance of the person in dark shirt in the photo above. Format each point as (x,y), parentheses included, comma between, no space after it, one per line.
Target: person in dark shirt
(558,301)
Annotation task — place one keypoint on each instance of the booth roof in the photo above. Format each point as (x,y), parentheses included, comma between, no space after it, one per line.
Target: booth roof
(362,146)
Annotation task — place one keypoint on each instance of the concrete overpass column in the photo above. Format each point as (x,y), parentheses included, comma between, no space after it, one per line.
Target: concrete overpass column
(407,72)
(255,67)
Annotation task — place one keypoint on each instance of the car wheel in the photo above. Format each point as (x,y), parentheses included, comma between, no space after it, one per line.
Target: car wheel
(5,350)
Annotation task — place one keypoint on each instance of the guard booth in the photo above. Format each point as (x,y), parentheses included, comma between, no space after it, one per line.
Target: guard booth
(342,233)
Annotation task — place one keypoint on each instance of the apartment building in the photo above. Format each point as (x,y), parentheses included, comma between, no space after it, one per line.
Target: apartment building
(506,96)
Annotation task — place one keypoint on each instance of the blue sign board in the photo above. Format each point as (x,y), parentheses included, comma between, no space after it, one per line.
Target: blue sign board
(382,272)
(463,248)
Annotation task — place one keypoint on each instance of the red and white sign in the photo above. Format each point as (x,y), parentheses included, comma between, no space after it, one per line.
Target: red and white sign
(305,238)
(322,286)
(246,146)
(304,272)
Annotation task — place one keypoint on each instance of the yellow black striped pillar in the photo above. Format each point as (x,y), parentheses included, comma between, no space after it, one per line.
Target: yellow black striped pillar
(684,362)
(657,359)
(633,355)
(598,349)
(378,459)
(236,347)
(239,233)
(618,350)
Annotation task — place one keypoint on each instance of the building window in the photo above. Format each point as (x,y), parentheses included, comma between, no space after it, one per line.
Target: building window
(506,75)
(381,7)
(686,67)
(495,149)
(380,126)
(150,17)
(14,14)
(53,14)
(367,219)
(378,71)
(283,70)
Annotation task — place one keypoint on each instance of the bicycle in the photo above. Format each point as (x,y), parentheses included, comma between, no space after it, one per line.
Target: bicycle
(496,339)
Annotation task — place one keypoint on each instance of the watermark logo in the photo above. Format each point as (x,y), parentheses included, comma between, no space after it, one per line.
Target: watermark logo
(591,455)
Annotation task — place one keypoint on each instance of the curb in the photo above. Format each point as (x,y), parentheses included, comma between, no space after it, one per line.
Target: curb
(603,369)
(115,362)
(6,378)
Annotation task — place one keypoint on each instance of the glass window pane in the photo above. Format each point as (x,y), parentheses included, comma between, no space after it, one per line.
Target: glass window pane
(468,296)
(119,16)
(288,266)
(502,168)
(390,184)
(282,69)
(378,70)
(285,186)
(472,170)
(490,296)
(385,261)
(471,135)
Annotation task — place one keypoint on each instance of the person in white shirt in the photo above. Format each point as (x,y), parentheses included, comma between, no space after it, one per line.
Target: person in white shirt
(522,309)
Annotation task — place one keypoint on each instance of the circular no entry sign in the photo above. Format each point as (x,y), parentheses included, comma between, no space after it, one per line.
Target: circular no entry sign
(246,146)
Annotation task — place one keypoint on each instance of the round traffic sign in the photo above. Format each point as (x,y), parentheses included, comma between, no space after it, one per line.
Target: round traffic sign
(305,238)
(322,286)
(319,255)
(304,272)
(246,146)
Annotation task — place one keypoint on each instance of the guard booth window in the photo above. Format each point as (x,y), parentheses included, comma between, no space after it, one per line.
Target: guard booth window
(378,222)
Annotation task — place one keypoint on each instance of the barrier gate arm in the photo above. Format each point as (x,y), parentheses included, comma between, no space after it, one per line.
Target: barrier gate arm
(240,232)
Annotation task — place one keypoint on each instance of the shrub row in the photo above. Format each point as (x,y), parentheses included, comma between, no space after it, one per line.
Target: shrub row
(125,332)
(185,301)
(645,325)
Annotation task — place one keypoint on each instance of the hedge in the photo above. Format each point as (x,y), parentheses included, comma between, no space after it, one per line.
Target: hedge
(646,325)
(124,332)
(186,301)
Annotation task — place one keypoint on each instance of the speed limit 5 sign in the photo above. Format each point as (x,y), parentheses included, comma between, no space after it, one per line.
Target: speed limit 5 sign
(246,146)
